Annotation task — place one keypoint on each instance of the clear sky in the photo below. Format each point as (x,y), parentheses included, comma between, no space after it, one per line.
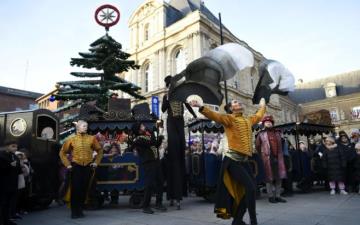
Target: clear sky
(313,38)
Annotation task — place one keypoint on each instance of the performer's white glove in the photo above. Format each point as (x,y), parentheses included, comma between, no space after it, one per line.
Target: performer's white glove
(13,163)
(320,154)
(93,165)
(262,102)
(69,167)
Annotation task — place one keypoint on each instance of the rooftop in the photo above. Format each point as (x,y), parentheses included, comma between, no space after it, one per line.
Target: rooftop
(18,92)
(346,83)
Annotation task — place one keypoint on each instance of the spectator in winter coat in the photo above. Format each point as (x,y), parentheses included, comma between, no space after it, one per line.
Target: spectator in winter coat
(357,166)
(269,143)
(305,182)
(335,163)
(355,136)
(349,152)
(288,182)
(9,171)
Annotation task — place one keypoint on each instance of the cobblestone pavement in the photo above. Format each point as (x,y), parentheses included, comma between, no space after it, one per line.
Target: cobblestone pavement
(303,209)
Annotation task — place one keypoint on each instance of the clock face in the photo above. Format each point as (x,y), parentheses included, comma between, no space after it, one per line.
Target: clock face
(18,127)
(47,133)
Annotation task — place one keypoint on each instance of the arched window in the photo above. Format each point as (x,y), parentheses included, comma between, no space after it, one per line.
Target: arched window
(146,77)
(179,61)
(146,32)
(253,79)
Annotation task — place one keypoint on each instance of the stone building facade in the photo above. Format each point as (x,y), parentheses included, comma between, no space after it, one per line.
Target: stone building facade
(339,94)
(165,37)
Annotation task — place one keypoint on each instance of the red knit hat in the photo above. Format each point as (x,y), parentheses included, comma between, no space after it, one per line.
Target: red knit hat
(268,118)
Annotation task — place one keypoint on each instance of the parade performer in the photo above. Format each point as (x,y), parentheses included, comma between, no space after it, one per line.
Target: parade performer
(81,147)
(269,144)
(147,146)
(176,146)
(236,189)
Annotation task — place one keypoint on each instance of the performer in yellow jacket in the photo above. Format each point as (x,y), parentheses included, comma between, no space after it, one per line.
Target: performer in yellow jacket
(81,147)
(236,187)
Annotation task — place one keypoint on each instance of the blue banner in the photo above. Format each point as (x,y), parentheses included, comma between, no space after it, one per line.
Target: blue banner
(155,105)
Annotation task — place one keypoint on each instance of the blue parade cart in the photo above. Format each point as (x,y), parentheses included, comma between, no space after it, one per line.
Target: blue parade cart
(204,167)
(36,132)
(121,173)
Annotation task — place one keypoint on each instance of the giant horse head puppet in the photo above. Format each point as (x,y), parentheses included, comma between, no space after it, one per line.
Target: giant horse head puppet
(202,77)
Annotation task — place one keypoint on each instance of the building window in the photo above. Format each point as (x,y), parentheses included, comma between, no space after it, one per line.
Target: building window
(146,32)
(334,114)
(252,79)
(180,64)
(146,77)
(212,46)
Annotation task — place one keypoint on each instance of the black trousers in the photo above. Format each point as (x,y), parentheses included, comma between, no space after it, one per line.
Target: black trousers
(80,176)
(176,186)
(241,173)
(154,181)
(6,199)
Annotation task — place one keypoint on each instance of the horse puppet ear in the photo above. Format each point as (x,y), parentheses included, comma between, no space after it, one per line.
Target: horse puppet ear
(274,79)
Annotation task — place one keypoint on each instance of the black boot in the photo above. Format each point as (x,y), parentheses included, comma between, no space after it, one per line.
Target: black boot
(160,207)
(278,199)
(272,200)
(148,210)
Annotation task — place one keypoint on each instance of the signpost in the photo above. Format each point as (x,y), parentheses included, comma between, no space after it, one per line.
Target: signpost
(155,105)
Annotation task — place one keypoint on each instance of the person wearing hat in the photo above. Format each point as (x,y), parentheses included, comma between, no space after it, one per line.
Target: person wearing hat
(176,183)
(81,147)
(147,147)
(236,189)
(269,145)
(355,136)
(10,169)
(357,166)
(334,160)
(348,150)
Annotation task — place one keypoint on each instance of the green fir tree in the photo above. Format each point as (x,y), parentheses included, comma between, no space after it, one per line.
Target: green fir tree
(106,55)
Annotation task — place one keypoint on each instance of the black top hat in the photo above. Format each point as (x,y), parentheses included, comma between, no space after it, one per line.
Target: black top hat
(167,80)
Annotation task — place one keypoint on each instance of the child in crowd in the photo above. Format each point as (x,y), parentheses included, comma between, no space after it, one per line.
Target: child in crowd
(335,162)
(357,166)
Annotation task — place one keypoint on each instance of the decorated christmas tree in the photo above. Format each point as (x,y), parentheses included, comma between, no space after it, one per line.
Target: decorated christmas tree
(106,55)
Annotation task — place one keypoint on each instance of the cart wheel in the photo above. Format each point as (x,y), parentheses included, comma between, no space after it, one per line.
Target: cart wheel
(136,200)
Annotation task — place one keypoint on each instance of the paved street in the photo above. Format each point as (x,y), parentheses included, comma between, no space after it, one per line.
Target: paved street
(303,209)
